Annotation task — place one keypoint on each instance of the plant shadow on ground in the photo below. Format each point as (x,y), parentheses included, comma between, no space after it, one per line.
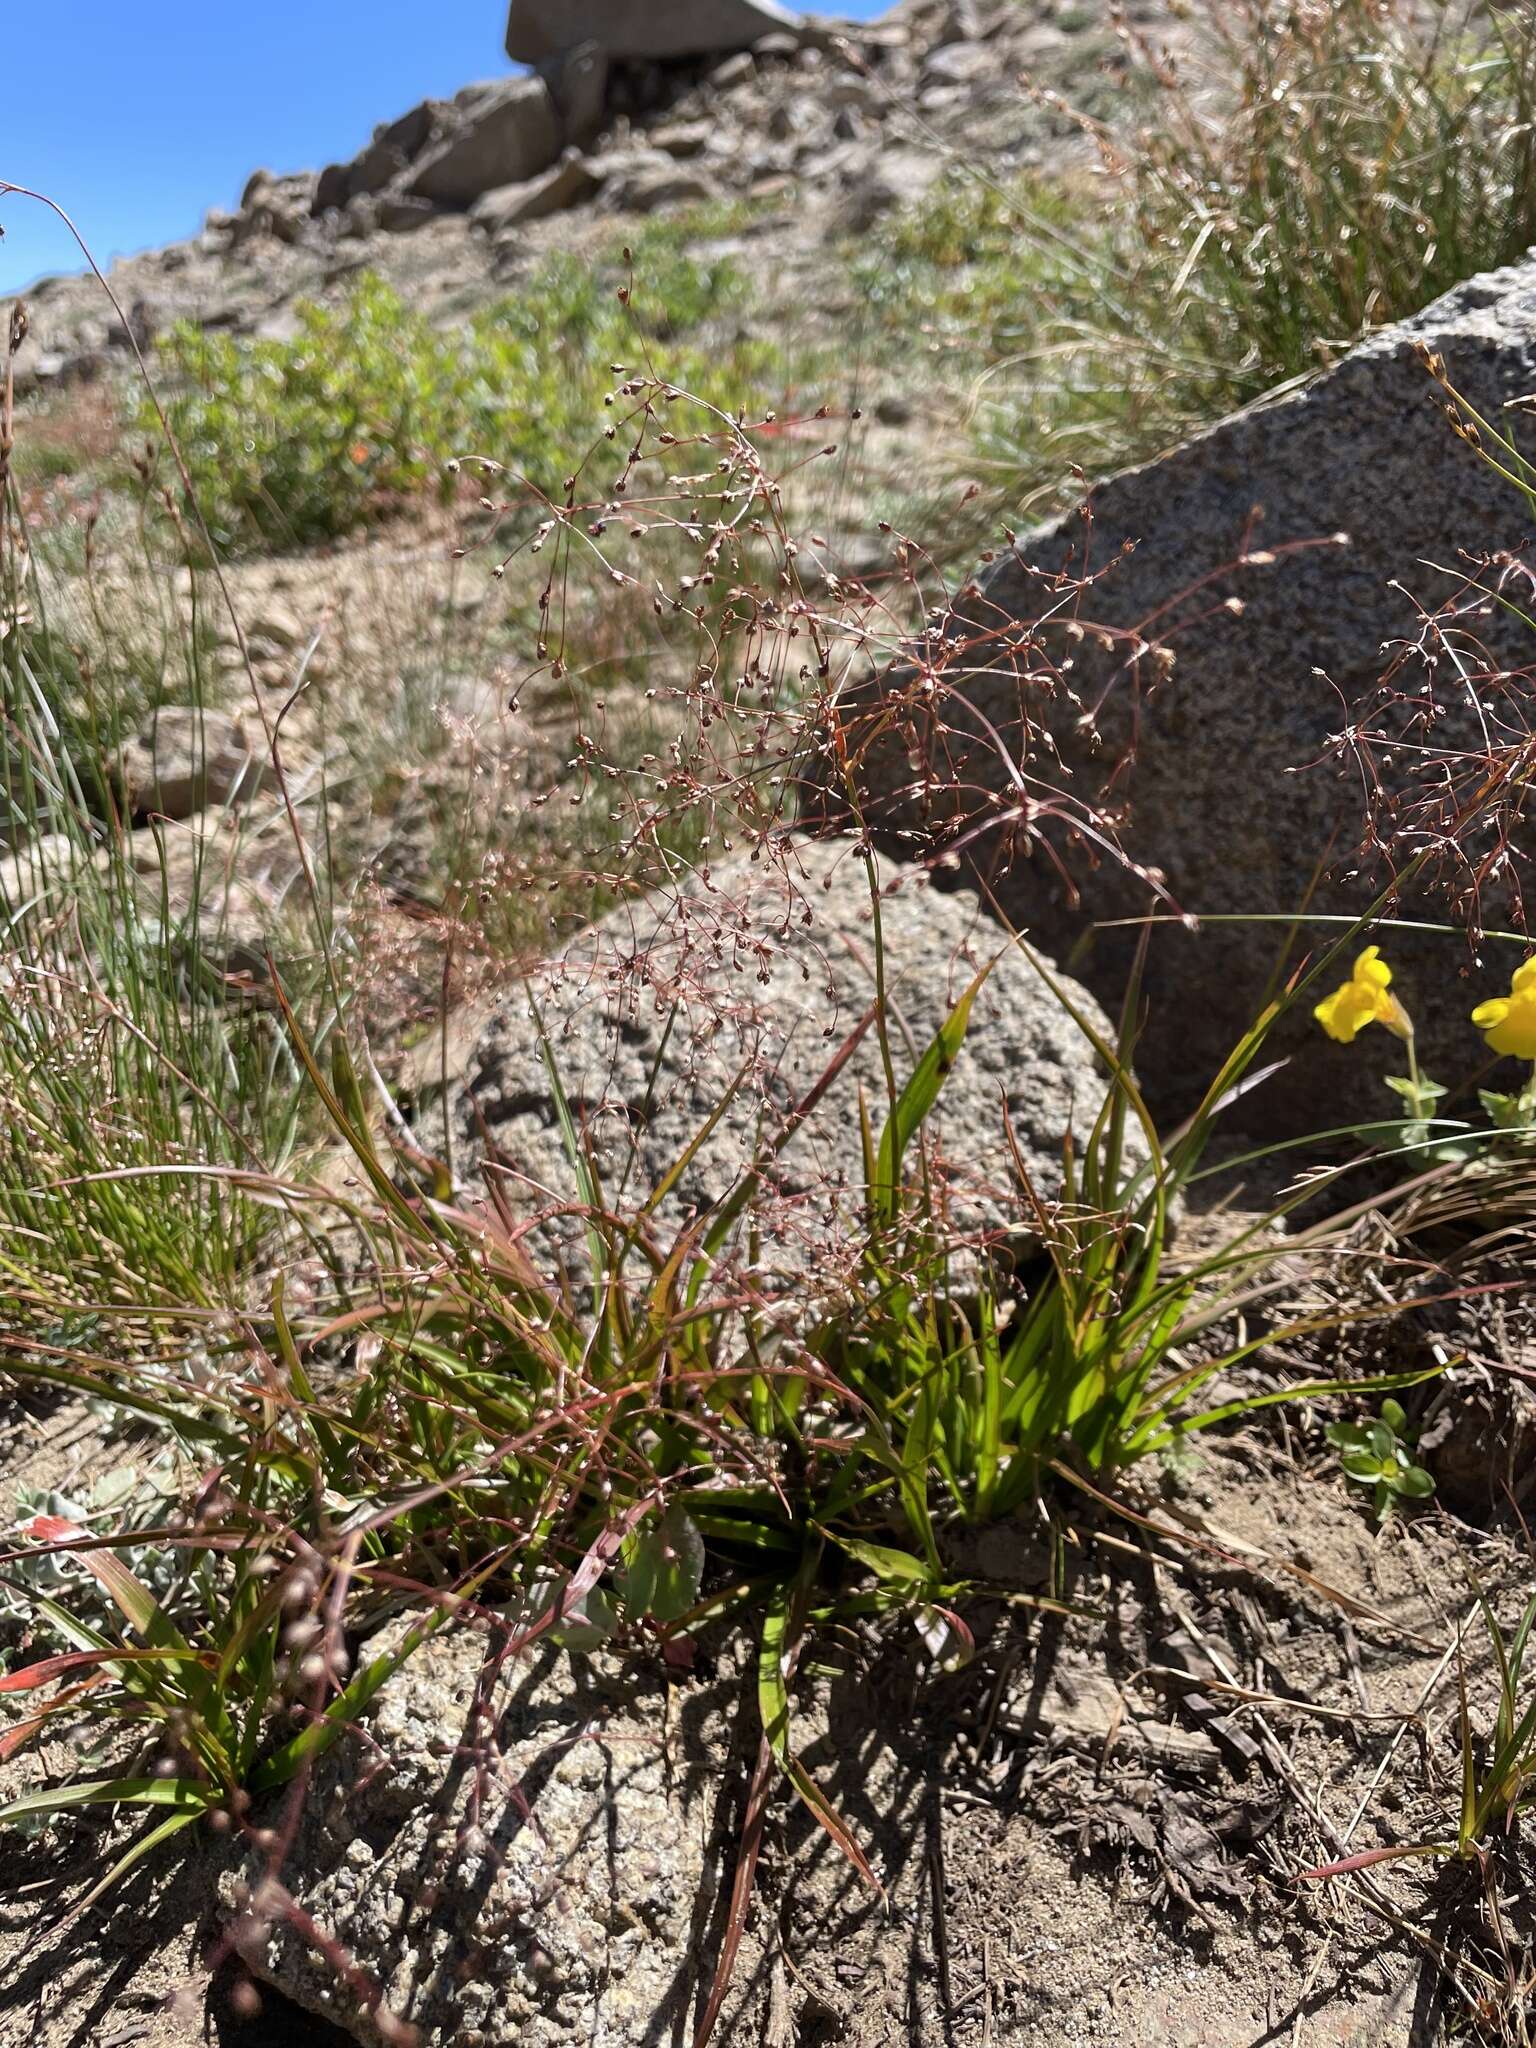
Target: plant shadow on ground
(141,1970)
(989,1798)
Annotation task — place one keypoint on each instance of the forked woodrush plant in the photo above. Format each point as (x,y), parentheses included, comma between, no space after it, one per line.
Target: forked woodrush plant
(1444,746)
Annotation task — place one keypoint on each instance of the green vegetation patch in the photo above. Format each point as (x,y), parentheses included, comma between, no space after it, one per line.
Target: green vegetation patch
(302,440)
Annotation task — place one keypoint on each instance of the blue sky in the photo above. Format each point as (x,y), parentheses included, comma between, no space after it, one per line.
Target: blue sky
(136,118)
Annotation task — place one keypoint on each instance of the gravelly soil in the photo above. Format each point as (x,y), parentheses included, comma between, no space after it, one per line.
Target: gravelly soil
(1073,1851)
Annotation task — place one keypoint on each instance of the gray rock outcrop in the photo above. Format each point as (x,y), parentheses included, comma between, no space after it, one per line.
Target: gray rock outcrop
(505,132)
(532,198)
(540,29)
(1231,791)
(522,1879)
(274,207)
(578,85)
(755,980)
(186,759)
(446,153)
(394,146)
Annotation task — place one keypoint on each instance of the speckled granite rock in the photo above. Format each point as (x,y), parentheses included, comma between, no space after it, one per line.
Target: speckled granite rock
(1225,797)
(758,977)
(562,1909)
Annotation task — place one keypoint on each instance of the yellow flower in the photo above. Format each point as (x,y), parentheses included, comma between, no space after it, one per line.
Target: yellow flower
(1363,999)
(1509,1022)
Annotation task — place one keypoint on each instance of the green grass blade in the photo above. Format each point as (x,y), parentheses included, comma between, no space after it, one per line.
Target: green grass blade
(895,1567)
(188,1795)
(173,1824)
(916,1100)
(776,1649)
(1154,1439)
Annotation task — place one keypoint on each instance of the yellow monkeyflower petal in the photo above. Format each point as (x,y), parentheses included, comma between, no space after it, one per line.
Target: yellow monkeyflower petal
(1336,1015)
(1339,1015)
(1516,1036)
(1509,1022)
(1362,1000)
(1371,971)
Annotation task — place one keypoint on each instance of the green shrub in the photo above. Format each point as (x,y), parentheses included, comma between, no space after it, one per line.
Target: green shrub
(301,440)
(294,440)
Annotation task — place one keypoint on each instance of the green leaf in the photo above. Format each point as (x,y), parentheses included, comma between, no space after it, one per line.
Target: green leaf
(188,1795)
(1364,1465)
(773,1652)
(1417,1094)
(588,1626)
(1416,1483)
(897,1567)
(1517,1649)
(916,1100)
(144,1846)
(746,1531)
(690,1151)
(989,1433)
(1505,1112)
(133,1599)
(832,1822)
(1311,1390)
(1470,1819)
(349,1093)
(776,1647)
(74,1631)
(663,1567)
(313,1741)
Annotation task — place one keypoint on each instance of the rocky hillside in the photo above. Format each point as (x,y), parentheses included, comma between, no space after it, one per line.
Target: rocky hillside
(837,123)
